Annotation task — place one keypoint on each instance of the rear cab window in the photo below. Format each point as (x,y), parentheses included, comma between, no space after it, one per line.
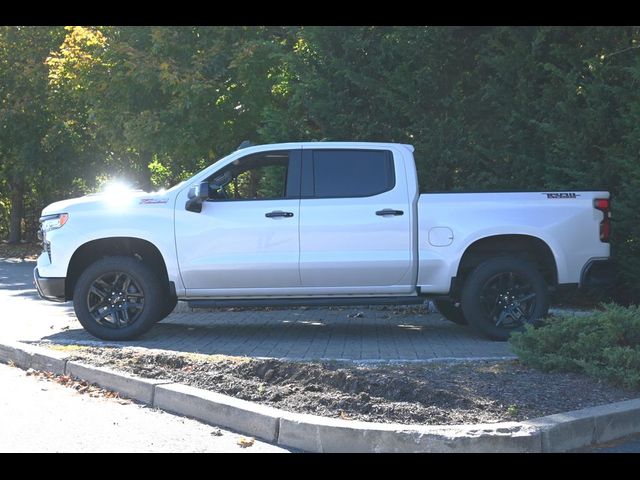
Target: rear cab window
(344,173)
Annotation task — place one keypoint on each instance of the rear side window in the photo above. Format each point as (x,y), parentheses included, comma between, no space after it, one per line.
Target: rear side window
(352,173)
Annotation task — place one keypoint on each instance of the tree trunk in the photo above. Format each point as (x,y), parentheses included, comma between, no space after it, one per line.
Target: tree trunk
(16,185)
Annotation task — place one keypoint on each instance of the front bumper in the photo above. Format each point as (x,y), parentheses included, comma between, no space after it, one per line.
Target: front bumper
(598,272)
(49,288)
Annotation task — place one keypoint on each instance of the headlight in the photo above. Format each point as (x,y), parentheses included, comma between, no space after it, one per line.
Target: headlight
(51,222)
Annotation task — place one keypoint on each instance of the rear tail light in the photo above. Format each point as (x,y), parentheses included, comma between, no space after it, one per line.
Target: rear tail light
(604,205)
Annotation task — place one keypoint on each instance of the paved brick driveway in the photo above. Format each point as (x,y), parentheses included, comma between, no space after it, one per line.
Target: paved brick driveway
(366,334)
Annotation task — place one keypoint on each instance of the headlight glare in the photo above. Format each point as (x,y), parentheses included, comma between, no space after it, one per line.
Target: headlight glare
(52,222)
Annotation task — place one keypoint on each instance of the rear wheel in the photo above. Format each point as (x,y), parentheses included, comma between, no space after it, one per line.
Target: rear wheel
(451,311)
(118,298)
(502,295)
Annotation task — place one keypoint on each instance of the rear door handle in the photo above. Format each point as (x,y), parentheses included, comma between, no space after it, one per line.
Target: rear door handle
(278,213)
(389,211)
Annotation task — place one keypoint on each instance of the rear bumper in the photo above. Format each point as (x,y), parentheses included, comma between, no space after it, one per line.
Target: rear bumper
(598,272)
(49,288)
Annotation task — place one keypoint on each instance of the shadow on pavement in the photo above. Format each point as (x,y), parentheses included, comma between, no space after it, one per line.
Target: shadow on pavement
(16,275)
(308,339)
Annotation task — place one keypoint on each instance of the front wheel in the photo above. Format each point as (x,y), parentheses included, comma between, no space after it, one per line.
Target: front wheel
(502,295)
(118,298)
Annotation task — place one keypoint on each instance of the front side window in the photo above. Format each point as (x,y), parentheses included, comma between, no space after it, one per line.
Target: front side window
(352,173)
(261,176)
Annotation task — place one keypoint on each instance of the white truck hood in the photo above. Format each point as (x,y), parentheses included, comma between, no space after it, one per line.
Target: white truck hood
(107,201)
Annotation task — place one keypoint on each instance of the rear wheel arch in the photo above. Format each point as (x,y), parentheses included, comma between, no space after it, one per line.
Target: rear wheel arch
(528,247)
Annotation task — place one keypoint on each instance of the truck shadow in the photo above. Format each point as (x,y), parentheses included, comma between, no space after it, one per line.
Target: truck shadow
(308,335)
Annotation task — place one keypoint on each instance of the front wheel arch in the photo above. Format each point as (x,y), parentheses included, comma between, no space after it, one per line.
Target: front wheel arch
(92,251)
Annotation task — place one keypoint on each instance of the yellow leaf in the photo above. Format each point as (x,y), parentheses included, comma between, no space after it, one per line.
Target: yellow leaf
(245,442)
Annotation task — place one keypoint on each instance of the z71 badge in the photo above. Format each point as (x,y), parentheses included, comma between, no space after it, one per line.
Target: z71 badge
(562,195)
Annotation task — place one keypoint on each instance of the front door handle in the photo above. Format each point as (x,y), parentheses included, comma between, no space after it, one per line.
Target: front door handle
(389,211)
(278,213)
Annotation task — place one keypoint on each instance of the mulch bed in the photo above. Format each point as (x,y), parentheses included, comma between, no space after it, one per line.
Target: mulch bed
(433,393)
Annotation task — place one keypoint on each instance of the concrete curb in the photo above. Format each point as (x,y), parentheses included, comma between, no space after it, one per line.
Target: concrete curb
(330,435)
(580,428)
(222,410)
(554,433)
(32,356)
(140,389)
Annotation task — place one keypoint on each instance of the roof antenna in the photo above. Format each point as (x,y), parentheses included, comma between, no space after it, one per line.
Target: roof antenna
(245,144)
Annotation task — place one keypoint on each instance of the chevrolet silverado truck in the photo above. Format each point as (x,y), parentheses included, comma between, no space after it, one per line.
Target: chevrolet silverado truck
(319,223)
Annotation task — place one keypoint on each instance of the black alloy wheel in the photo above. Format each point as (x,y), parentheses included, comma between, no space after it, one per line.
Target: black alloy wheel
(119,298)
(504,294)
(508,299)
(115,300)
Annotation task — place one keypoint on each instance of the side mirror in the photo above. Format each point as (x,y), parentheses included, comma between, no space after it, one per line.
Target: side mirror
(197,194)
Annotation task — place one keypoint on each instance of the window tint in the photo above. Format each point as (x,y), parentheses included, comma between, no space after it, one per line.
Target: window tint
(352,173)
(256,177)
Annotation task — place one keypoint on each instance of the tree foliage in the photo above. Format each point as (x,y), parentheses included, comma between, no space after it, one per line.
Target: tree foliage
(32,142)
(486,107)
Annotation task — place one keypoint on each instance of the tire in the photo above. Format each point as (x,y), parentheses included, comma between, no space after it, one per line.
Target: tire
(450,311)
(502,295)
(118,298)
(169,306)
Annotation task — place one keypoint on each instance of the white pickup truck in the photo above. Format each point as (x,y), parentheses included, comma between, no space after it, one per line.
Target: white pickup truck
(328,223)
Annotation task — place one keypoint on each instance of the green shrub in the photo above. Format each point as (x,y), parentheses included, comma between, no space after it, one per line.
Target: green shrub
(604,344)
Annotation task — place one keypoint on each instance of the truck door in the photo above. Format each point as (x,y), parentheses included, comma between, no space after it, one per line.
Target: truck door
(355,222)
(246,236)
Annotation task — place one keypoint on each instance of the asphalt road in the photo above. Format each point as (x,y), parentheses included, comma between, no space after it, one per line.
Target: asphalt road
(624,445)
(38,415)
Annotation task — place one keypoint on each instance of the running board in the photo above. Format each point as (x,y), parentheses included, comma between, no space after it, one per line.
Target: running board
(306,302)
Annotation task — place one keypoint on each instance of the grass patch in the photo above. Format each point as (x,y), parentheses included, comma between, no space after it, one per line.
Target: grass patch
(604,345)
(65,348)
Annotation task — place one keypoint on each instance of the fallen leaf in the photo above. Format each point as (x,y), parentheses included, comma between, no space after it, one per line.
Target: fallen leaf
(344,416)
(246,442)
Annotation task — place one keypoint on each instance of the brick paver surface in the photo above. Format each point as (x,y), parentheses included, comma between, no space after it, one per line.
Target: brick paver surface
(358,333)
